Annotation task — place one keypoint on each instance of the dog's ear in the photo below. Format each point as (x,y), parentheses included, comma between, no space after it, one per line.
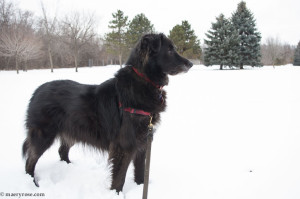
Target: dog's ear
(151,42)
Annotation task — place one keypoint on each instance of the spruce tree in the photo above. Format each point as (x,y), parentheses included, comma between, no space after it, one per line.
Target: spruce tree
(185,40)
(222,45)
(139,26)
(297,56)
(116,39)
(244,22)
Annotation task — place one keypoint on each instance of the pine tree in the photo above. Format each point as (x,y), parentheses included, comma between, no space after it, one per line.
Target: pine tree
(139,26)
(222,45)
(116,40)
(244,22)
(297,56)
(185,40)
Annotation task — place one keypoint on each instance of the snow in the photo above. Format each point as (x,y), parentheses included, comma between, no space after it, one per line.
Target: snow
(227,134)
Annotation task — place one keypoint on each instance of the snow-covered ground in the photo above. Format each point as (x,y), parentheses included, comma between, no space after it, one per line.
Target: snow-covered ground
(232,134)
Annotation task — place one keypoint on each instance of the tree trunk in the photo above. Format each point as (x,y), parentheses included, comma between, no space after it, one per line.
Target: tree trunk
(241,66)
(25,66)
(17,65)
(76,66)
(120,60)
(76,55)
(50,58)
(8,61)
(221,67)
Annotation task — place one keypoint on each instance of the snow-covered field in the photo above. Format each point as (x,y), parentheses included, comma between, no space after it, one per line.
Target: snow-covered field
(232,134)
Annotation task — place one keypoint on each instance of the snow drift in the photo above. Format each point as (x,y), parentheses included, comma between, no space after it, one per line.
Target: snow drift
(241,132)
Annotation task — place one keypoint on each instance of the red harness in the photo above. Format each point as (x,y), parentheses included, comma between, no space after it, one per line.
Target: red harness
(134,111)
(138,111)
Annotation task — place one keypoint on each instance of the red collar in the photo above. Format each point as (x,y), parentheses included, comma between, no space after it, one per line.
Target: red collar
(138,111)
(146,78)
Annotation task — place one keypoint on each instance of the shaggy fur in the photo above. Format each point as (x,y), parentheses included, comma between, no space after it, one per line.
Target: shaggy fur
(90,114)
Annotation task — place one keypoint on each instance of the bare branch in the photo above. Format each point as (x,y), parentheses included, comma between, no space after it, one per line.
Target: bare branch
(77,31)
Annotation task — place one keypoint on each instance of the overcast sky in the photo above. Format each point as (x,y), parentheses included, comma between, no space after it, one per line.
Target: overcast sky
(276,18)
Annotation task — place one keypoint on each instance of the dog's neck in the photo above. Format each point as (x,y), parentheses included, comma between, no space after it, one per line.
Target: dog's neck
(146,78)
(154,77)
(161,79)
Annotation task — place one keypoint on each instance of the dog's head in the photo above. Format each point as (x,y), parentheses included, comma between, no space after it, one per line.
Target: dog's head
(157,53)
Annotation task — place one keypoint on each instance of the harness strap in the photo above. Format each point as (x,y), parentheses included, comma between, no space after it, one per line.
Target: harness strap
(134,111)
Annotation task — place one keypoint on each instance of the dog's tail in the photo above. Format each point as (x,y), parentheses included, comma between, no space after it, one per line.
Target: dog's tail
(25,148)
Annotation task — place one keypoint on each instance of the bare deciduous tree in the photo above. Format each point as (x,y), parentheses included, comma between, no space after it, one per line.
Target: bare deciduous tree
(32,49)
(274,52)
(49,26)
(77,31)
(18,40)
(273,49)
(6,13)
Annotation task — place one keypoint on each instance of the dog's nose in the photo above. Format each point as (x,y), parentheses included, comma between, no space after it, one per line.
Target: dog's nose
(189,64)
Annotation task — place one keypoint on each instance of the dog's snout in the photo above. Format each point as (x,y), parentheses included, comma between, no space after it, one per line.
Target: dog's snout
(189,64)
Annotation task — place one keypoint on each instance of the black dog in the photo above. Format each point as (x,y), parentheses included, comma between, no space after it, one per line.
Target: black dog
(112,116)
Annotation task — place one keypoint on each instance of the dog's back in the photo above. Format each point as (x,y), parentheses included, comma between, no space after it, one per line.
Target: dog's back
(71,112)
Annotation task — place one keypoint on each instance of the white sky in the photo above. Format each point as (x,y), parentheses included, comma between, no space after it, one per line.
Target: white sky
(276,18)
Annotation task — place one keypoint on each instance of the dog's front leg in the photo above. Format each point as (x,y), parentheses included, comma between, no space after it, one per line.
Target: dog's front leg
(120,160)
(139,167)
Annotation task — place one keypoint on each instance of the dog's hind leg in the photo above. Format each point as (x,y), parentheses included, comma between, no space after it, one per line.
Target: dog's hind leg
(36,143)
(64,149)
(120,160)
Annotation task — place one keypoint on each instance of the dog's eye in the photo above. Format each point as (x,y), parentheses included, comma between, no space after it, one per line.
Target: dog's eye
(171,49)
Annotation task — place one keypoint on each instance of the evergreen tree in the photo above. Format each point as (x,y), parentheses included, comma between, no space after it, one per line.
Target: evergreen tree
(116,39)
(222,45)
(297,56)
(244,22)
(186,41)
(139,26)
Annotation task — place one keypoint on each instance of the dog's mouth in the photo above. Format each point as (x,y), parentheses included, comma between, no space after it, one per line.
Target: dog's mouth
(180,69)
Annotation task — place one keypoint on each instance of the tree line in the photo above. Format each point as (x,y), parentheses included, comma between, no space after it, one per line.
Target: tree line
(275,52)
(125,34)
(27,41)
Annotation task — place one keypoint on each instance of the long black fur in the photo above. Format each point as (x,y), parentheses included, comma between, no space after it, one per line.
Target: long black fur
(90,114)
